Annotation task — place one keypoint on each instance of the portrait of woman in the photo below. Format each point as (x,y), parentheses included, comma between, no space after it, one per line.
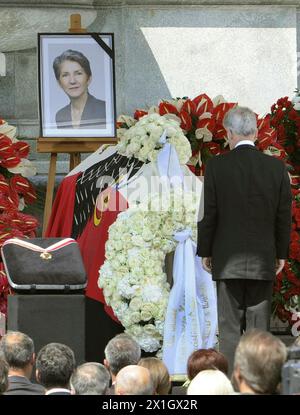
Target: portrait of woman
(73,73)
(77,86)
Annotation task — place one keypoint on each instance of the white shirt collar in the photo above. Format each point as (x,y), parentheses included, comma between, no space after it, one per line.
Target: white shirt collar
(245,142)
(57,390)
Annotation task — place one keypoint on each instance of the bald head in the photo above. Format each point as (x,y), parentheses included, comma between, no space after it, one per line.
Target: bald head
(134,380)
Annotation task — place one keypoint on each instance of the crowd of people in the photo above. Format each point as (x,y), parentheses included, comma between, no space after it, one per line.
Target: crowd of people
(258,363)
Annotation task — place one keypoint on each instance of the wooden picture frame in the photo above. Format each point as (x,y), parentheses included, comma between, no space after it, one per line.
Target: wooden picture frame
(77,97)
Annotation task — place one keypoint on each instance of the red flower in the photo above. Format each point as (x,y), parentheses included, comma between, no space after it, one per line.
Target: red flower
(21,149)
(6,149)
(203,104)
(291,292)
(139,113)
(209,123)
(4,186)
(24,223)
(294,250)
(167,108)
(284,102)
(13,197)
(20,184)
(281,134)
(219,132)
(30,196)
(279,115)
(13,233)
(293,115)
(7,204)
(186,121)
(189,106)
(220,111)
(10,162)
(296,213)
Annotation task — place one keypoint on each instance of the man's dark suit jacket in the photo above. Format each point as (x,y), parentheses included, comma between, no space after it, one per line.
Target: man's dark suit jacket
(93,115)
(247,214)
(19,385)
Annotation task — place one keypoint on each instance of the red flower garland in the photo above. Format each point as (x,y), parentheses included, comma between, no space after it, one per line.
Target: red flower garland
(13,187)
(286,300)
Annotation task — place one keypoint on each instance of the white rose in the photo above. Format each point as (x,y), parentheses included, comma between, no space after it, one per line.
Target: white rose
(134,330)
(135,317)
(136,303)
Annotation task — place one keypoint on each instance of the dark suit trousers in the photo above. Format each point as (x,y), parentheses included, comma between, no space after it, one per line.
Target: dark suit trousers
(242,305)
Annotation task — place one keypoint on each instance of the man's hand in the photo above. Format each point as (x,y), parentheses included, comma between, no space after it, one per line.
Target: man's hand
(279,265)
(206,263)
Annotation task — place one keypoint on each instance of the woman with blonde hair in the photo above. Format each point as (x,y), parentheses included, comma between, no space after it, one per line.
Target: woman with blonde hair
(159,374)
(210,382)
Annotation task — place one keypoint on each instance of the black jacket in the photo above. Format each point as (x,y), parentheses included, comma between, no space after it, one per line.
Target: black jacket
(247,214)
(19,385)
(93,115)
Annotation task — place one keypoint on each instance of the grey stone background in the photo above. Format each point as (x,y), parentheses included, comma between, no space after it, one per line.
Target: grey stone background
(139,79)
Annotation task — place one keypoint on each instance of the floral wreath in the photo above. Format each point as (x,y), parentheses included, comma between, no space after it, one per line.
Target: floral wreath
(132,277)
(142,140)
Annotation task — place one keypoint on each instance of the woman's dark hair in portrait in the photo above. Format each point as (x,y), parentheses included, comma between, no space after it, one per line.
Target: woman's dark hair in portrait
(71,55)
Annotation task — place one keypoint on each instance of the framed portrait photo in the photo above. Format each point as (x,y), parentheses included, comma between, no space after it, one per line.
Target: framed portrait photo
(77,85)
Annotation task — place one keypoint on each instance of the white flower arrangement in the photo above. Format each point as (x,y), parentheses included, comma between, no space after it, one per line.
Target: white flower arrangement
(132,277)
(142,138)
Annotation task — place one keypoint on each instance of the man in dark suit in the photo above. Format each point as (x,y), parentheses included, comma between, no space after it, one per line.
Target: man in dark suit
(18,350)
(122,350)
(243,238)
(55,364)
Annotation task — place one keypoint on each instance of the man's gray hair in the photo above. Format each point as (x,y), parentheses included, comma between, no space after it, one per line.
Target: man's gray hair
(121,351)
(241,121)
(90,379)
(17,349)
(259,357)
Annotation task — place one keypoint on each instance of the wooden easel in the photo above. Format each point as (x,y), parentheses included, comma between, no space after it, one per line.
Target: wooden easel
(72,146)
